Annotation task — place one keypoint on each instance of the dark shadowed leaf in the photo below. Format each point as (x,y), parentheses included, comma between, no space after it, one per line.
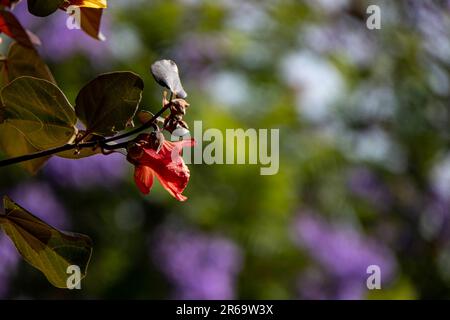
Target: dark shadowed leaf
(23,61)
(47,249)
(40,111)
(166,74)
(10,26)
(108,103)
(43,8)
(14,144)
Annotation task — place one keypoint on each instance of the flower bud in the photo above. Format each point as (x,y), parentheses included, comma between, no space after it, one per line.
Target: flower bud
(156,140)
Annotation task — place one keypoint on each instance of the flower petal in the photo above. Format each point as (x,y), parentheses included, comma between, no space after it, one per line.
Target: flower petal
(167,164)
(175,188)
(143,176)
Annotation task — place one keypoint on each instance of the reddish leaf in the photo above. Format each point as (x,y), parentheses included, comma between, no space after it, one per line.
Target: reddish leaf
(10,26)
(91,15)
(90,22)
(8,3)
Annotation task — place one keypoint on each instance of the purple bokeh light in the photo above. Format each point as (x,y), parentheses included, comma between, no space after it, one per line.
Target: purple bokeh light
(343,255)
(98,170)
(199,266)
(40,199)
(59,42)
(8,264)
(367,185)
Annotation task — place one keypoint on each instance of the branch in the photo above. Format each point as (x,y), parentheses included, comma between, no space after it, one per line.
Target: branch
(91,144)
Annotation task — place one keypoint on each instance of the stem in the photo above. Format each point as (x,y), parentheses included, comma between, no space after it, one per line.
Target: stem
(146,125)
(39,154)
(91,144)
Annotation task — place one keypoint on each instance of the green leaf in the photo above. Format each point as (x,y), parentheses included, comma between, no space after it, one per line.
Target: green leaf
(43,8)
(166,74)
(40,111)
(23,61)
(14,144)
(47,249)
(107,104)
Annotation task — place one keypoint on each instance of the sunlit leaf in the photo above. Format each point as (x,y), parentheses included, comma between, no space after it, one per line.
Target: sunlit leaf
(23,61)
(91,12)
(14,144)
(43,8)
(107,104)
(10,26)
(47,249)
(166,74)
(39,110)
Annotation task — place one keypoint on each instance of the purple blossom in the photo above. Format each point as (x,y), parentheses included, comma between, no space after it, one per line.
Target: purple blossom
(432,21)
(199,54)
(87,172)
(9,259)
(41,201)
(435,219)
(60,42)
(365,184)
(198,265)
(343,255)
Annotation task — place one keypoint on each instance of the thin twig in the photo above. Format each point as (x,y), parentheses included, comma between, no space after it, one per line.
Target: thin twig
(91,144)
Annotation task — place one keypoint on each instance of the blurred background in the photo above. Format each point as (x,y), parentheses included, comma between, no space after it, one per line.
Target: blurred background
(364,173)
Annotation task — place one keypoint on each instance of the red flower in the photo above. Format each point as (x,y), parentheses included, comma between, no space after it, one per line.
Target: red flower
(167,164)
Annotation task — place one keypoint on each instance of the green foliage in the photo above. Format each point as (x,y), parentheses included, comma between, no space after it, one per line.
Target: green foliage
(44,247)
(108,103)
(43,8)
(24,61)
(38,109)
(14,144)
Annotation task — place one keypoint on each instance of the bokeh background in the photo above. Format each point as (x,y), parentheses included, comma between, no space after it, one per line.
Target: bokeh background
(364,154)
